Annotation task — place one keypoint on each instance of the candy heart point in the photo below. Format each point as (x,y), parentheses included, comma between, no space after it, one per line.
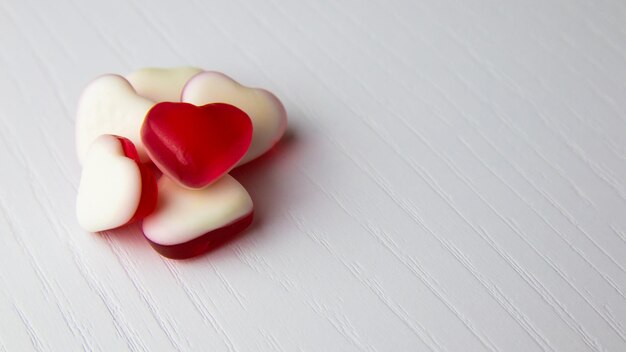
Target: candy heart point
(195,145)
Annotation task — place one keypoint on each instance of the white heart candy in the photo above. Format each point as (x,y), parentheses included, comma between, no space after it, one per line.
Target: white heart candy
(269,118)
(183,215)
(161,84)
(110,105)
(110,186)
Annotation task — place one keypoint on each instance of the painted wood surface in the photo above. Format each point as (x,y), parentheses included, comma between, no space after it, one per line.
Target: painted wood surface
(453,179)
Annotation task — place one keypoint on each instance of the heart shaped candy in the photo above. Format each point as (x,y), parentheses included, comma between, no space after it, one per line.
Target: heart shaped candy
(115,188)
(110,105)
(161,84)
(195,145)
(188,222)
(267,113)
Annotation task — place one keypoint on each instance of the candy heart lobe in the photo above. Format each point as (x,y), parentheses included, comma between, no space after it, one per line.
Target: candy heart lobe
(110,105)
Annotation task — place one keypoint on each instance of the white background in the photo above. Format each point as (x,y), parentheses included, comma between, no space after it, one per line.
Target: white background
(453,179)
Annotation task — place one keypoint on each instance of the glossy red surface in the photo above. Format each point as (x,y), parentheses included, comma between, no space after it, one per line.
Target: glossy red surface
(206,242)
(195,145)
(149,193)
(129,148)
(149,189)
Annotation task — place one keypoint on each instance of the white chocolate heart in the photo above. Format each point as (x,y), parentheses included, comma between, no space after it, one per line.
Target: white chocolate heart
(161,84)
(268,115)
(183,215)
(110,186)
(110,105)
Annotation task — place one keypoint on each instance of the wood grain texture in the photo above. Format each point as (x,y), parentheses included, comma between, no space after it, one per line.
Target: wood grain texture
(453,179)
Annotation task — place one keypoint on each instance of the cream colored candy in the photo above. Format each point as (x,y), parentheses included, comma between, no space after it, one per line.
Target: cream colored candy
(110,186)
(110,105)
(161,84)
(183,214)
(269,118)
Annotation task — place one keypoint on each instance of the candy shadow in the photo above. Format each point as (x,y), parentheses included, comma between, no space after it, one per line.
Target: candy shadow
(260,178)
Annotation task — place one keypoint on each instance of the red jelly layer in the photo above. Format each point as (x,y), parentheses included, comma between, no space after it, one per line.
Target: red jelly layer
(129,148)
(195,145)
(149,189)
(206,242)
(149,193)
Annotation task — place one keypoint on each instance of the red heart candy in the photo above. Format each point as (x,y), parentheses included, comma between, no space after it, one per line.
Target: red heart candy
(195,145)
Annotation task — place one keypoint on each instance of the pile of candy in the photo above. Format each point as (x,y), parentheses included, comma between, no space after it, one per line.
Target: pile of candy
(186,125)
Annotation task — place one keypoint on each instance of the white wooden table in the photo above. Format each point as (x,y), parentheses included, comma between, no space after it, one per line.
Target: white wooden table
(454,179)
